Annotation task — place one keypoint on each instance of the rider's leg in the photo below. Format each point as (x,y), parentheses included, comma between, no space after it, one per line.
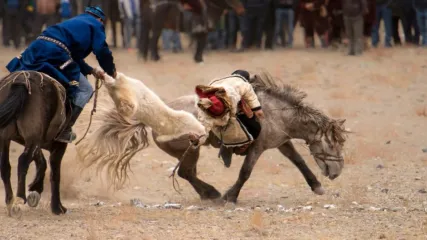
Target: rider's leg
(82,97)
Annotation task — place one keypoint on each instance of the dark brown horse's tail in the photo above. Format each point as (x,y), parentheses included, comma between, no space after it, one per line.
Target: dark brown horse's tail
(13,105)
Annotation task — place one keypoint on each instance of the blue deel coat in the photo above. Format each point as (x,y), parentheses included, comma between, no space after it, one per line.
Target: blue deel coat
(82,35)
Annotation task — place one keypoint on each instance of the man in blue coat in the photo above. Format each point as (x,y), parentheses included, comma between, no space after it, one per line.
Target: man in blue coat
(60,52)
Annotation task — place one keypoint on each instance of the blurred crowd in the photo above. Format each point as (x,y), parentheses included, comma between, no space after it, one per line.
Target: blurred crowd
(266,24)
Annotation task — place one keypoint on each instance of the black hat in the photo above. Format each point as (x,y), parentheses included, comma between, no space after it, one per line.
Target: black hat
(242,73)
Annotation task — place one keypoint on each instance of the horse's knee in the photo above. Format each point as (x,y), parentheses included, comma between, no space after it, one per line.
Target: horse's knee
(42,164)
(185,173)
(5,169)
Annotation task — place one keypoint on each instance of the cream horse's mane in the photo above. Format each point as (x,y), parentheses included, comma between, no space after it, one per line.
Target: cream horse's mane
(123,128)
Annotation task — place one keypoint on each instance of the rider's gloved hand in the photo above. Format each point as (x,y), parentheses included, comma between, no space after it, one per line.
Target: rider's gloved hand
(259,114)
(98,73)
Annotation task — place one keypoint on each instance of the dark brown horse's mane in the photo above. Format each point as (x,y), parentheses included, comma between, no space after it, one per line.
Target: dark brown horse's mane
(303,112)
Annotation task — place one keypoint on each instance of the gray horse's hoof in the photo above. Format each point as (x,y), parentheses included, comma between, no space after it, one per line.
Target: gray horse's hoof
(319,190)
(33,199)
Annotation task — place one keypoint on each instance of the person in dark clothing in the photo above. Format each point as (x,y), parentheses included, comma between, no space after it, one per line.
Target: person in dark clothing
(12,22)
(284,20)
(28,19)
(314,17)
(397,16)
(60,52)
(421,10)
(269,26)
(383,11)
(2,10)
(252,23)
(353,11)
(409,22)
(368,21)
(337,22)
(232,29)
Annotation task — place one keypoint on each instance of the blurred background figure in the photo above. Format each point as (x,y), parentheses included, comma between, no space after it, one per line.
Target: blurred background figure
(284,26)
(46,14)
(421,12)
(12,18)
(131,19)
(383,12)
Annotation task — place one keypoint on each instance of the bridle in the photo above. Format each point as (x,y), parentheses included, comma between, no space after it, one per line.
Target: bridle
(324,156)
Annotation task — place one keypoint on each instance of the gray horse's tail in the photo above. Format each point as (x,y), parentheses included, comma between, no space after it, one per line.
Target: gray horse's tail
(13,105)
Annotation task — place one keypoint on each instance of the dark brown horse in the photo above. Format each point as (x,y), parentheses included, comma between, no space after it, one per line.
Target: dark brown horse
(159,14)
(32,113)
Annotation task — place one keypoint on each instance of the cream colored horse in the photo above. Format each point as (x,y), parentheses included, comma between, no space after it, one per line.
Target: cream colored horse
(123,129)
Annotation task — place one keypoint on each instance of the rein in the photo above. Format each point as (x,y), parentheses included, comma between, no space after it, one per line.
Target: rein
(98,85)
(179,164)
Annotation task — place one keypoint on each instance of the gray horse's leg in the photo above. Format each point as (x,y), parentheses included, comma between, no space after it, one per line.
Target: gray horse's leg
(254,153)
(290,152)
(188,171)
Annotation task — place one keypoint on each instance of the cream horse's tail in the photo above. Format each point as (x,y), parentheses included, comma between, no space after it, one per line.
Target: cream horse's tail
(113,145)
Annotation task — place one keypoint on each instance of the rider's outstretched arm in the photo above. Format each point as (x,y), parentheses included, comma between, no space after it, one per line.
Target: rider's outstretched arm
(102,51)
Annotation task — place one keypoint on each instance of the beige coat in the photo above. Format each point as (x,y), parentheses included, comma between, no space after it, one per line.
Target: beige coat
(236,89)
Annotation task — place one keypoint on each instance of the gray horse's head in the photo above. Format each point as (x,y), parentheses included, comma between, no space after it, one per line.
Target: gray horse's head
(326,147)
(325,136)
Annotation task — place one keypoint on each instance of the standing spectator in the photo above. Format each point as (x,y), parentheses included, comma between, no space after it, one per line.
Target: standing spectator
(129,12)
(353,11)
(421,10)
(337,22)
(252,23)
(314,17)
(46,13)
(269,26)
(397,7)
(409,22)
(284,20)
(67,9)
(233,29)
(12,22)
(369,21)
(2,16)
(28,19)
(112,11)
(383,11)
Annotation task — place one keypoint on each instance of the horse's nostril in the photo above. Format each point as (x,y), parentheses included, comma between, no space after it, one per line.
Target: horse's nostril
(333,176)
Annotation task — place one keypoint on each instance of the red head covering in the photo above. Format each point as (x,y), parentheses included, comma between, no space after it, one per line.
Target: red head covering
(217,107)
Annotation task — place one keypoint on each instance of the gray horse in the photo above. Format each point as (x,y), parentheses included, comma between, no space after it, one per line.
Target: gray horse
(287,117)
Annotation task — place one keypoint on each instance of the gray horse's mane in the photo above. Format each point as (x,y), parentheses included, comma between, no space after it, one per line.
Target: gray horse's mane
(303,112)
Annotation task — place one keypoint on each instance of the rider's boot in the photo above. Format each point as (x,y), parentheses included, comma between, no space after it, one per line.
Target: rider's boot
(67,135)
(226,155)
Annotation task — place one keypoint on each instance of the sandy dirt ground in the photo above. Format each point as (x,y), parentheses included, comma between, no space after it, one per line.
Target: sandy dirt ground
(381,193)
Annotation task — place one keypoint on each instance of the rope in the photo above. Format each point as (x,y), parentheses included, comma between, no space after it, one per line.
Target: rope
(178,165)
(98,85)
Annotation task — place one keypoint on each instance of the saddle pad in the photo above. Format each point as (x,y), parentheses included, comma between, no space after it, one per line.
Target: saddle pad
(234,135)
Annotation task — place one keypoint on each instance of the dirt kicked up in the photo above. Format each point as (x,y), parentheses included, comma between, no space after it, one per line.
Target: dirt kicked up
(381,194)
